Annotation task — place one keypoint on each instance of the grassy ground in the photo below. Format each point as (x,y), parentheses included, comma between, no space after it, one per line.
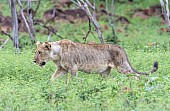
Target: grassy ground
(25,86)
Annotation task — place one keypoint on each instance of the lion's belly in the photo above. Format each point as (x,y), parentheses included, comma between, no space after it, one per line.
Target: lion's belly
(93,68)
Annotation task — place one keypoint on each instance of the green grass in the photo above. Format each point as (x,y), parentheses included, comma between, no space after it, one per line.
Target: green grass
(26,86)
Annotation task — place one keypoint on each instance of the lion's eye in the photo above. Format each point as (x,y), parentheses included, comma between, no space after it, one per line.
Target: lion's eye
(39,52)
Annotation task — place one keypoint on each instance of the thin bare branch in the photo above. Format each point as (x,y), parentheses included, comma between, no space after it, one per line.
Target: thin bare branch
(111,16)
(9,36)
(84,5)
(50,30)
(25,21)
(75,3)
(49,36)
(94,10)
(32,29)
(39,2)
(90,5)
(89,31)
(112,11)
(4,43)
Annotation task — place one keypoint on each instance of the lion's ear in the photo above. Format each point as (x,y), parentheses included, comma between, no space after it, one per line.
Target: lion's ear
(47,46)
(38,43)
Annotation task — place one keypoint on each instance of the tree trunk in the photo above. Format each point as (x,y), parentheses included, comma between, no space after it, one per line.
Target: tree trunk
(12,4)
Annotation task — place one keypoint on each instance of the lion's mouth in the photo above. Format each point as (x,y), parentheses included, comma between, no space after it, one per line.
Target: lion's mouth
(42,64)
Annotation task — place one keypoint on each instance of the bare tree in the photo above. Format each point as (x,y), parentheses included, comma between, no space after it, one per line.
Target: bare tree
(31,20)
(12,4)
(30,28)
(15,25)
(110,16)
(91,13)
(165,11)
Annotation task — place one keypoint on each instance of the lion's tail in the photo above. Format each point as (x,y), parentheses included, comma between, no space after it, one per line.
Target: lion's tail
(127,67)
(154,69)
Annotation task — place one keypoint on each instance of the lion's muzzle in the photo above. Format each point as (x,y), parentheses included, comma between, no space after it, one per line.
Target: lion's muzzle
(42,63)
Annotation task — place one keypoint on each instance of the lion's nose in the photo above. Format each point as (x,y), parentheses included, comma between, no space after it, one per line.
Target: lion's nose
(34,61)
(43,63)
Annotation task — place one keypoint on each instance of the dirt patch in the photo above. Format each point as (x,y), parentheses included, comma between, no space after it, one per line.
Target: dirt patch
(154,10)
(5,23)
(70,15)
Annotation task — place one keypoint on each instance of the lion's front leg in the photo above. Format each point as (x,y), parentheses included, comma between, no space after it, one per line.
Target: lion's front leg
(74,71)
(58,73)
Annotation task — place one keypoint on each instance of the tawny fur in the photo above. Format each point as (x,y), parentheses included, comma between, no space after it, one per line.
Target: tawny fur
(91,58)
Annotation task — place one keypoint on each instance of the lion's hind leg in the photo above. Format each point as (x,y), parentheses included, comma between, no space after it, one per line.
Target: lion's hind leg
(126,68)
(106,72)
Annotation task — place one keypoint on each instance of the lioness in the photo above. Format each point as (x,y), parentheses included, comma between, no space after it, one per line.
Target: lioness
(71,57)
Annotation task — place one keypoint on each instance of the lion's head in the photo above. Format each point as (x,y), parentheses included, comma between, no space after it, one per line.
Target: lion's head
(42,53)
